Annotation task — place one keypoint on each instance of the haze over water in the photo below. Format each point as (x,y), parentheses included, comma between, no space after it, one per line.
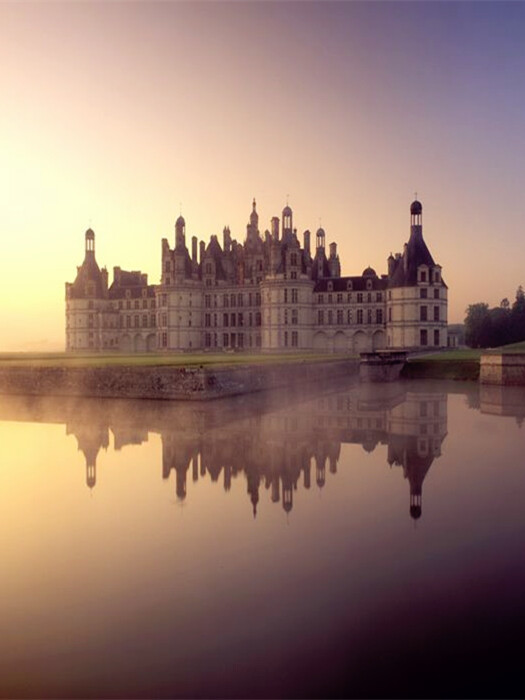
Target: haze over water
(359,541)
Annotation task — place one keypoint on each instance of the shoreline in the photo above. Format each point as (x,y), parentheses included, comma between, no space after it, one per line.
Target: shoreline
(165,382)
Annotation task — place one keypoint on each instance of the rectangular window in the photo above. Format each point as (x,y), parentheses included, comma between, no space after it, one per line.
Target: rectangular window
(225,301)
(295,317)
(436,293)
(319,298)
(258,318)
(239,299)
(285,339)
(359,298)
(225,340)
(225,320)
(329,298)
(144,320)
(164,340)
(349,316)
(379,296)
(423,316)
(339,298)
(369,316)
(240,338)
(379,315)
(152,320)
(207,340)
(215,320)
(436,337)
(207,320)
(423,337)
(423,276)
(207,301)
(330,317)
(340,316)
(295,339)
(240,319)
(359,315)
(320,315)
(285,296)
(232,299)
(436,313)
(423,293)
(233,319)
(295,296)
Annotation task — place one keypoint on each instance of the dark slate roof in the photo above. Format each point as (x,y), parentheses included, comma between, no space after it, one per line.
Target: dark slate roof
(214,250)
(89,271)
(340,284)
(405,267)
(130,282)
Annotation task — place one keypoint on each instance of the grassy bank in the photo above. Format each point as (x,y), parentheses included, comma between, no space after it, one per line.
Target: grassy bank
(153,360)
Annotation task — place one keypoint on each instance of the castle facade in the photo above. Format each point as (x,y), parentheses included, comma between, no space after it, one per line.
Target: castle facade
(266,294)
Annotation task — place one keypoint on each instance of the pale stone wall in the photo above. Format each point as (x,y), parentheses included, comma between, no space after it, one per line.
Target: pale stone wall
(507,369)
(404,318)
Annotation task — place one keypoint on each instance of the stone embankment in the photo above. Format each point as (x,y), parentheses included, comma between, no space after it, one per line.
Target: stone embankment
(507,369)
(182,383)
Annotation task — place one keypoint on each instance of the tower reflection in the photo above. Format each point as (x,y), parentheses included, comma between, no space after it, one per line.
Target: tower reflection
(280,443)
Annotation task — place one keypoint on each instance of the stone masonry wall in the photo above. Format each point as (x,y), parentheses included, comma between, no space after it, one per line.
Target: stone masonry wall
(192,383)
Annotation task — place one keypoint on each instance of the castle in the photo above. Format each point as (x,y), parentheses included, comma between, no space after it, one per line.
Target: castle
(266,294)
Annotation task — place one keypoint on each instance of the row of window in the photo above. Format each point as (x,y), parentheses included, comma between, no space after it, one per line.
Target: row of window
(252,299)
(423,313)
(232,319)
(360,298)
(423,293)
(230,340)
(423,336)
(339,317)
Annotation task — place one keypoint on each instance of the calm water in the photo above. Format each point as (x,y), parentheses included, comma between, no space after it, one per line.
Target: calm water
(360,541)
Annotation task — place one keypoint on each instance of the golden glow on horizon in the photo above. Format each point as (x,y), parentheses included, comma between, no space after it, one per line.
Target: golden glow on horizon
(113,114)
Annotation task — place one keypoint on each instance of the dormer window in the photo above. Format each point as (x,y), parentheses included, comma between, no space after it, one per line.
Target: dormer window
(369,284)
(423,276)
(436,275)
(349,284)
(330,286)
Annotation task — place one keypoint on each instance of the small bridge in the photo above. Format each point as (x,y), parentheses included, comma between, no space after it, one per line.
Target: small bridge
(382,365)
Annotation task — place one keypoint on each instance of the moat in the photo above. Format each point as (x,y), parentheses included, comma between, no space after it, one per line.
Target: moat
(357,541)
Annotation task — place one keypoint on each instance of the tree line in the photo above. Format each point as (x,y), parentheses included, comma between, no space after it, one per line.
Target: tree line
(503,324)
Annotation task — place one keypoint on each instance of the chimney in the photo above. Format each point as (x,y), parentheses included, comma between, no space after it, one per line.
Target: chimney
(194,249)
(333,250)
(226,239)
(202,250)
(306,238)
(275,228)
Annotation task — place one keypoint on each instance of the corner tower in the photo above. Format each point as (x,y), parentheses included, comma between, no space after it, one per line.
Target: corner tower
(417,294)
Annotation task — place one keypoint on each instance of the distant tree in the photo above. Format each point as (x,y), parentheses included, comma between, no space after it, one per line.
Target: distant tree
(500,326)
(505,304)
(478,326)
(518,316)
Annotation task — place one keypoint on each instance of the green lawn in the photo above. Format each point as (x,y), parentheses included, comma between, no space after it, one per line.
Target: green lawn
(21,359)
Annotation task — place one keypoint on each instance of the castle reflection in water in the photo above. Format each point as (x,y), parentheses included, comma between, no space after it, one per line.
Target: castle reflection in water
(282,448)
(280,442)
